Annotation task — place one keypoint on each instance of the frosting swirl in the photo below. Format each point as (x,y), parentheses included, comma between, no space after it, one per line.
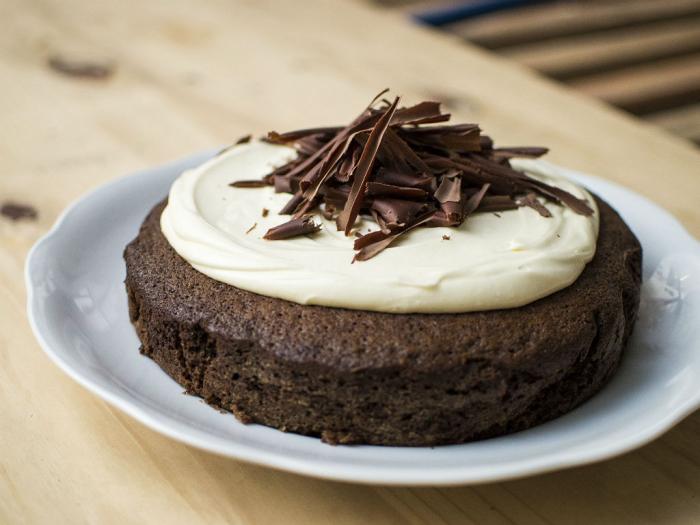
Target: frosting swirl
(491,261)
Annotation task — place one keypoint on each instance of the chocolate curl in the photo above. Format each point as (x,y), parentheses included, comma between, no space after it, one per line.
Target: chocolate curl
(397,155)
(389,190)
(292,205)
(460,137)
(292,228)
(474,201)
(398,212)
(422,181)
(293,136)
(348,165)
(449,195)
(450,189)
(249,184)
(347,217)
(530,200)
(561,196)
(528,152)
(373,243)
(494,203)
(422,113)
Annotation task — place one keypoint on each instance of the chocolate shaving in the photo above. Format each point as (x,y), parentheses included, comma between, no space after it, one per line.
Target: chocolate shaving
(245,139)
(370,238)
(404,167)
(449,195)
(398,155)
(562,197)
(530,200)
(374,242)
(293,136)
(347,217)
(462,137)
(379,188)
(292,228)
(422,113)
(398,212)
(474,201)
(265,212)
(249,184)
(309,145)
(509,153)
(422,181)
(336,196)
(292,204)
(348,165)
(450,189)
(493,203)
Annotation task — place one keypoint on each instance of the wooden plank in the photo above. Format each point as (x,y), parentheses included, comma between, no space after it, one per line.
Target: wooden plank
(555,20)
(684,121)
(190,75)
(647,88)
(568,57)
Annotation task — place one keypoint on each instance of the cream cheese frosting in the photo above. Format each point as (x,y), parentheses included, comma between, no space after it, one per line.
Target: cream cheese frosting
(491,261)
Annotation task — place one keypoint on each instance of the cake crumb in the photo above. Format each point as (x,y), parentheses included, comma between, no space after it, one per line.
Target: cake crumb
(265,212)
(251,228)
(497,214)
(446,237)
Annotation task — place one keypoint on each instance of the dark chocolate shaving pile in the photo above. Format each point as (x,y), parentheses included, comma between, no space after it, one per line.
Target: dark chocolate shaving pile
(405,168)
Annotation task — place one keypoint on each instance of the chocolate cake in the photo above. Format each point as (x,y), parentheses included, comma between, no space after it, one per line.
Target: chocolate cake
(353,376)
(484,331)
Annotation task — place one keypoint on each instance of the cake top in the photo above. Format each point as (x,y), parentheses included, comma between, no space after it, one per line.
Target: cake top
(469,227)
(405,168)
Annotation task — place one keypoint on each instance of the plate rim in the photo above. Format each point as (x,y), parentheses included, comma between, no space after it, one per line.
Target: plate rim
(323,468)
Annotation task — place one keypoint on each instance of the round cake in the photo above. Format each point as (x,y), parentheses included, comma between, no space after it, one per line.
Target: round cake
(385,376)
(354,376)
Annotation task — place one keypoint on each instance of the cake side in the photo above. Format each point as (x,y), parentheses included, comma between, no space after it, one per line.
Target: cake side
(393,379)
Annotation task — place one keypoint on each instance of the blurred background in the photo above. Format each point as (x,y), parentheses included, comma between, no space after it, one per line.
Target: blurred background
(642,56)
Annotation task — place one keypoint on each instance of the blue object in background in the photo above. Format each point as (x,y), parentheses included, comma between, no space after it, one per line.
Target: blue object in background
(455,13)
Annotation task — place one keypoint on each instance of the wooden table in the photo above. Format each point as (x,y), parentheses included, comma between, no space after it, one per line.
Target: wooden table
(189,75)
(642,56)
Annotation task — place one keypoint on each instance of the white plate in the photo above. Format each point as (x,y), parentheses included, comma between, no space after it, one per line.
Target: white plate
(77,307)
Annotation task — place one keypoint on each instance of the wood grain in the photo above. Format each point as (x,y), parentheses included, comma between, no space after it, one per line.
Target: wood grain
(599,52)
(189,75)
(566,18)
(683,121)
(640,56)
(649,87)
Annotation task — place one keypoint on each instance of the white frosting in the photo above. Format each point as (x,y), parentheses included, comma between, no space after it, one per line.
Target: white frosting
(489,262)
